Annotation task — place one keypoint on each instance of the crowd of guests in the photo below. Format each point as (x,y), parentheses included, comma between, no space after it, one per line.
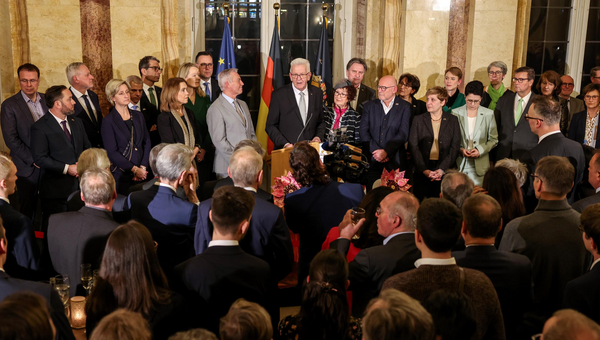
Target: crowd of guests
(162,197)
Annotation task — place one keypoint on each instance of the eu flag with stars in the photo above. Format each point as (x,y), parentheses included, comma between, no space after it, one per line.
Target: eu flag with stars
(226,55)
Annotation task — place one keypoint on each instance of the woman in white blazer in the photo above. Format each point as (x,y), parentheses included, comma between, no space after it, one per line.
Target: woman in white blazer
(479,134)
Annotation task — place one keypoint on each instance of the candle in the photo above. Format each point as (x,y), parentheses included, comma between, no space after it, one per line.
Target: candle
(78,317)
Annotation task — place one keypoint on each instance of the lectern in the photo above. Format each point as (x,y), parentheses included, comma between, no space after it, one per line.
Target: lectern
(280,161)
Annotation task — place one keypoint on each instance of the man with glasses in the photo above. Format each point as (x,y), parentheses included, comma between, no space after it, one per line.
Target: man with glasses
(514,134)
(296,111)
(18,113)
(496,73)
(355,73)
(150,72)
(209,84)
(544,121)
(87,105)
(139,102)
(574,105)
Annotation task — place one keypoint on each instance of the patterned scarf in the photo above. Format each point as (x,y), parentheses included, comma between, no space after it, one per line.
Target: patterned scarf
(188,135)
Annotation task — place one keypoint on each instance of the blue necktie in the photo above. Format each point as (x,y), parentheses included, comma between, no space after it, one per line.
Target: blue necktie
(134,107)
(207,87)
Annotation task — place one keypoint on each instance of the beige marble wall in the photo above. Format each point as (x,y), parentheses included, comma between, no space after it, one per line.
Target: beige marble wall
(392,48)
(7,77)
(373,48)
(54,38)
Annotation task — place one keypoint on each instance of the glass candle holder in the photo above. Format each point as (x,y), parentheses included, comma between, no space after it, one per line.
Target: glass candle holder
(78,317)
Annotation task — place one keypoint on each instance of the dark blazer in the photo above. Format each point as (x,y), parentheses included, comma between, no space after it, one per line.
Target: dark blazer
(267,238)
(171,221)
(78,237)
(365,94)
(417,107)
(284,123)
(158,94)
(117,136)
(260,193)
(312,211)
(51,150)
(583,203)
(372,266)
(23,252)
(150,113)
(388,132)
(511,276)
(421,138)
(9,285)
(171,132)
(513,140)
(577,128)
(16,121)
(221,275)
(91,130)
(583,296)
(215,90)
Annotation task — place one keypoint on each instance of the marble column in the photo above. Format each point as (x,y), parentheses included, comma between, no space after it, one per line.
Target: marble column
(169,38)
(19,32)
(361,18)
(458,30)
(392,37)
(374,41)
(521,35)
(97,45)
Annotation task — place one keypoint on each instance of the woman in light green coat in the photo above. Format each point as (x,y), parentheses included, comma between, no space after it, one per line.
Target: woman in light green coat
(479,134)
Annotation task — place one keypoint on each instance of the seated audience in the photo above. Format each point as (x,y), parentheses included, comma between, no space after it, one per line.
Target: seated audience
(246,321)
(318,206)
(496,72)
(438,228)
(77,237)
(92,158)
(324,312)
(340,115)
(395,315)
(594,181)
(549,238)
(23,252)
(408,85)
(569,324)
(154,181)
(396,221)
(23,316)
(549,85)
(582,294)
(122,325)
(194,334)
(456,187)
(453,77)
(131,278)
(434,143)
(452,313)
(510,273)
(224,273)
(517,168)
(170,219)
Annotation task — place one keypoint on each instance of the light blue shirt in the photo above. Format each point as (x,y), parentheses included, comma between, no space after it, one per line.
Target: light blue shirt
(35,107)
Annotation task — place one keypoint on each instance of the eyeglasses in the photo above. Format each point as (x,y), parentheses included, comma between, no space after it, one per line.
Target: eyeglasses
(529,117)
(568,84)
(299,75)
(497,73)
(471,101)
(27,81)
(205,65)
(534,176)
(384,88)
(520,80)
(156,68)
(591,97)
(580,227)
(339,94)
(378,211)
(536,337)
(404,85)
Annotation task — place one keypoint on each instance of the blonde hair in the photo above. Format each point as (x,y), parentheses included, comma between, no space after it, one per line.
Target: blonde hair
(246,320)
(168,97)
(112,87)
(5,163)
(92,158)
(123,325)
(184,71)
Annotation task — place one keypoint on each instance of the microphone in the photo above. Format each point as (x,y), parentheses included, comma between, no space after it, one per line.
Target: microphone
(305,125)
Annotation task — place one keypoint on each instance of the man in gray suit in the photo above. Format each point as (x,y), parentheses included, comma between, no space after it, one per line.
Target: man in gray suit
(229,120)
(573,104)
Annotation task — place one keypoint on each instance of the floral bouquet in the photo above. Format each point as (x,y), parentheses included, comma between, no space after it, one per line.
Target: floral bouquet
(283,186)
(395,180)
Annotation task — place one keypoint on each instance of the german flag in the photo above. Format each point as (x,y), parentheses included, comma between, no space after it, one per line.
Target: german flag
(273,80)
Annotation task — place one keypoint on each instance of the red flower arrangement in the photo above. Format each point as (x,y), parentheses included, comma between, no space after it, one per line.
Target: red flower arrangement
(283,186)
(395,180)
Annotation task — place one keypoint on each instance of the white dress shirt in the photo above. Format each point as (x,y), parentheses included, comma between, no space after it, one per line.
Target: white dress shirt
(81,101)
(146,87)
(435,262)
(387,108)
(297,95)
(227,243)
(593,264)
(525,101)
(548,134)
(208,85)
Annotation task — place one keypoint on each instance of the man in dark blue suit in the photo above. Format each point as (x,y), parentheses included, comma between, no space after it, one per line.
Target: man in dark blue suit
(9,285)
(18,113)
(57,140)
(510,273)
(170,219)
(385,125)
(87,106)
(582,293)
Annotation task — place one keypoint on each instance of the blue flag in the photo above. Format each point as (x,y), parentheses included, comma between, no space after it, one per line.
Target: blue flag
(226,55)
(322,76)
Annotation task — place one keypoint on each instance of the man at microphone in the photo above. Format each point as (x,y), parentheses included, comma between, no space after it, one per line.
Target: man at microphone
(296,111)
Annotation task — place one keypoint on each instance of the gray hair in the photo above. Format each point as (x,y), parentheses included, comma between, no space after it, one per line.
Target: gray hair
(112,87)
(571,324)
(184,69)
(172,160)
(499,64)
(300,61)
(72,70)
(244,165)
(405,207)
(97,186)
(549,109)
(516,167)
(225,76)
(253,144)
(153,154)
(133,79)
(456,187)
(194,334)
(92,158)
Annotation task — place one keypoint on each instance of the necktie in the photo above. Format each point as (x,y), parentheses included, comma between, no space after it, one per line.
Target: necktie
(89,109)
(302,107)
(64,125)
(152,96)
(207,91)
(519,111)
(134,107)
(239,112)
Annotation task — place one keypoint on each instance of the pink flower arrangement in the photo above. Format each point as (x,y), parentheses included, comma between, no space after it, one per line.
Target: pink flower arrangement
(283,186)
(395,180)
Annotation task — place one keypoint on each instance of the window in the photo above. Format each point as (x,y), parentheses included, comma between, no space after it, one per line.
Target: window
(591,56)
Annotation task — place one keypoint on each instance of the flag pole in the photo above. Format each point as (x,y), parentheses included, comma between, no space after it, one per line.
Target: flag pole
(226,11)
(324,7)
(276,7)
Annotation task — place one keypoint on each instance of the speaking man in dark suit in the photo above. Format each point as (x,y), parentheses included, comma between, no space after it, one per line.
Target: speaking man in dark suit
(296,111)
(209,84)
(170,219)
(224,273)
(17,114)
(23,252)
(396,221)
(9,285)
(150,72)
(385,125)
(544,121)
(594,180)
(78,237)
(510,273)
(57,140)
(139,102)
(582,293)
(87,106)
(514,134)
(355,72)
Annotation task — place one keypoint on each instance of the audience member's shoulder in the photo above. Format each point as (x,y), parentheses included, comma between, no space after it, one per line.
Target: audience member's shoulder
(400,280)
(514,224)
(583,203)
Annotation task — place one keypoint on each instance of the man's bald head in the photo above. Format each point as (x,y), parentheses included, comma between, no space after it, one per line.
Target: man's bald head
(387,88)
(567,86)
